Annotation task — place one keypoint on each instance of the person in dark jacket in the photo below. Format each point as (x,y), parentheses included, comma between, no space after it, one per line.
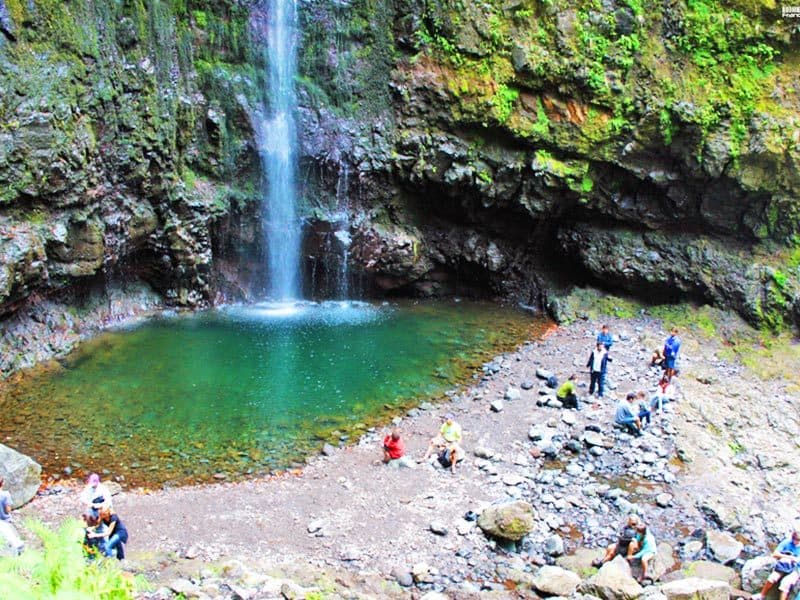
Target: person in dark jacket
(597,364)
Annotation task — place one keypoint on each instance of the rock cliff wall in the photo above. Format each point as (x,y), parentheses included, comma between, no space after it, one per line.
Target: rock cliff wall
(519,146)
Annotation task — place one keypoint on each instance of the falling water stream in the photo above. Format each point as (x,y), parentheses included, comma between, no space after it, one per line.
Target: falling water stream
(278,145)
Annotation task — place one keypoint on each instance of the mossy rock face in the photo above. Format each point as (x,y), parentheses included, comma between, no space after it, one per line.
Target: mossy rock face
(511,521)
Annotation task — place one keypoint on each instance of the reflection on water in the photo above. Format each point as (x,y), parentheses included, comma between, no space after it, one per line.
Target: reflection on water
(246,389)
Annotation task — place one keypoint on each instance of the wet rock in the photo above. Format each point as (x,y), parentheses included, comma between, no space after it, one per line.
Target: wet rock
(695,588)
(511,521)
(723,546)
(21,473)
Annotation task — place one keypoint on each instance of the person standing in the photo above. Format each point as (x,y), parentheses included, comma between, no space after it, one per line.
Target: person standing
(605,338)
(95,495)
(598,363)
(671,348)
(7,529)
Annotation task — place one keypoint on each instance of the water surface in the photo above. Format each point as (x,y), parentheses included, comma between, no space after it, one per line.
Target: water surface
(246,390)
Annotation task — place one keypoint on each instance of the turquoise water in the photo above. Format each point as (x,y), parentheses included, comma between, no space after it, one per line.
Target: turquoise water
(246,390)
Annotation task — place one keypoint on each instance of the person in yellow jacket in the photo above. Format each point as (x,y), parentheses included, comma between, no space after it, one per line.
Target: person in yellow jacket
(449,440)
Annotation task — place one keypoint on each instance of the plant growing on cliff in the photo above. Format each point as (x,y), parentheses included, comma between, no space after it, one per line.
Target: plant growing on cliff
(60,569)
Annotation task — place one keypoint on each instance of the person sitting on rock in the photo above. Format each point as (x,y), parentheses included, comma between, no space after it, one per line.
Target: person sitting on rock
(394,450)
(643,548)
(450,456)
(622,546)
(657,360)
(597,364)
(665,392)
(786,569)
(567,393)
(644,409)
(95,495)
(449,435)
(93,535)
(624,415)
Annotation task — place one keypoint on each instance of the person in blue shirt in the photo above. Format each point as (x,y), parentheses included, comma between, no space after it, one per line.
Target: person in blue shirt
(643,548)
(787,567)
(624,415)
(671,348)
(605,338)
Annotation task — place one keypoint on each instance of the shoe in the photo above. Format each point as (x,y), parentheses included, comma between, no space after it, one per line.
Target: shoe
(597,563)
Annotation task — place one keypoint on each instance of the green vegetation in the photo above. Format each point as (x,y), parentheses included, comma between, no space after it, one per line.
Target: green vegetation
(60,570)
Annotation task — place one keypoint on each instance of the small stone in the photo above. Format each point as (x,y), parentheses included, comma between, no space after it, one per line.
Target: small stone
(554,546)
(328,450)
(664,500)
(438,528)
(723,546)
(569,418)
(497,406)
(512,394)
(527,384)
(192,552)
(543,373)
(482,452)
(315,525)
(403,577)
(220,476)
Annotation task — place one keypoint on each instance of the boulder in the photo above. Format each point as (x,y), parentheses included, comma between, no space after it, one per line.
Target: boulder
(695,588)
(581,560)
(555,581)
(755,572)
(510,521)
(723,546)
(613,581)
(706,569)
(21,473)
(663,562)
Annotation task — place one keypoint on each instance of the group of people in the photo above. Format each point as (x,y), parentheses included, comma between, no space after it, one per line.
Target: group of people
(104,533)
(635,542)
(446,445)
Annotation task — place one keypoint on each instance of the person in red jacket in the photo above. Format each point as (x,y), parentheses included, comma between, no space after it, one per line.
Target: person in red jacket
(393,446)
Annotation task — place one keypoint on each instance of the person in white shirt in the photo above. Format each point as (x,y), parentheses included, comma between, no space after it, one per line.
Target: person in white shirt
(7,529)
(95,495)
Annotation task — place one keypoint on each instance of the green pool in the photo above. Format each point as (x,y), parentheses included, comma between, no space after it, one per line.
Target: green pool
(246,390)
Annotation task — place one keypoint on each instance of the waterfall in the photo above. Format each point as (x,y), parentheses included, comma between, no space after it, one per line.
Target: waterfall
(342,235)
(278,149)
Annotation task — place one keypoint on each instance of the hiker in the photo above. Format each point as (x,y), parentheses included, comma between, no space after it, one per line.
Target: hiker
(95,495)
(657,360)
(623,544)
(671,348)
(786,569)
(92,534)
(449,435)
(597,363)
(450,456)
(643,548)
(114,534)
(605,338)
(394,450)
(624,415)
(644,409)
(7,529)
(567,393)
(665,392)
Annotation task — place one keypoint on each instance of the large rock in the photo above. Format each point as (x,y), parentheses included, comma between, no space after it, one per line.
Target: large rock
(581,560)
(695,588)
(723,546)
(22,475)
(706,569)
(555,581)
(663,562)
(755,572)
(613,581)
(510,521)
